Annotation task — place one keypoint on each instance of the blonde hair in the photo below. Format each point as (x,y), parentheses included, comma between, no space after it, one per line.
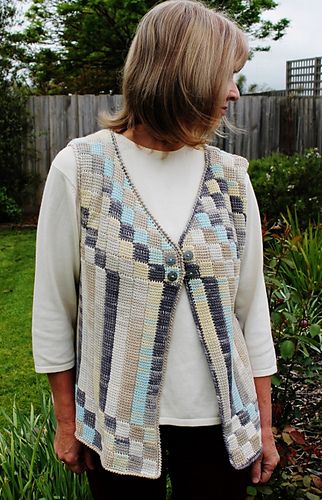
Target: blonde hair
(177,72)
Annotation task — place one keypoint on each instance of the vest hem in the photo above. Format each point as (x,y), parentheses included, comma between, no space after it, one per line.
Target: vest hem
(112,469)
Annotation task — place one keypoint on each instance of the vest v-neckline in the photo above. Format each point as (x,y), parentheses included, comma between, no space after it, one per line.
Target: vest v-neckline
(137,194)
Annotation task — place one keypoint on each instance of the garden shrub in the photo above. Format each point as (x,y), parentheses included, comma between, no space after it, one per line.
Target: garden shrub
(293,270)
(293,182)
(9,210)
(293,275)
(14,129)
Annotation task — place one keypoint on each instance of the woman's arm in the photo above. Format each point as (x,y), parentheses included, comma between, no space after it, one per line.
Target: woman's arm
(264,466)
(68,449)
(55,303)
(63,389)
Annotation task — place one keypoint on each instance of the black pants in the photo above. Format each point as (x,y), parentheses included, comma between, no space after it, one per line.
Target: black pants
(195,459)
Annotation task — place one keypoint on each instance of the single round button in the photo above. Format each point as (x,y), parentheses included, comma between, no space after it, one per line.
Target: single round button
(190,274)
(187,255)
(172,276)
(170,260)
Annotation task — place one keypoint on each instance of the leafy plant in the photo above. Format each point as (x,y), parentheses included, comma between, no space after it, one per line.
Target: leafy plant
(293,278)
(16,185)
(293,260)
(9,210)
(19,184)
(292,182)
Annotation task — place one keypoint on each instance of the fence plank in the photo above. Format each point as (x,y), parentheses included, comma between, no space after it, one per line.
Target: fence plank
(318,124)
(72,121)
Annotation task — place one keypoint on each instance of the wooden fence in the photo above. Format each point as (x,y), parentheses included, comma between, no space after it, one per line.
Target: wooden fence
(270,124)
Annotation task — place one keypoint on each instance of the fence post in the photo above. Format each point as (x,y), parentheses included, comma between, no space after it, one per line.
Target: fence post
(317,76)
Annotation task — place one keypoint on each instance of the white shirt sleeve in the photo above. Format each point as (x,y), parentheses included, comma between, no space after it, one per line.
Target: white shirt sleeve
(251,300)
(57,269)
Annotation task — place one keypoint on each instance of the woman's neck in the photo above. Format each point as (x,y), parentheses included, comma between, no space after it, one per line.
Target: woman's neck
(141,136)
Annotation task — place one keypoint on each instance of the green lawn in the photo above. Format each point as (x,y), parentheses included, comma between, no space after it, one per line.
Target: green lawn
(17,377)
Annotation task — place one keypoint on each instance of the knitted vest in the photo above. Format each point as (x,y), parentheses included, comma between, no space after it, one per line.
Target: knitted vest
(130,279)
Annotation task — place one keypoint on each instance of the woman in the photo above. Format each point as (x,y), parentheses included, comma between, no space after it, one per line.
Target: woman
(150,313)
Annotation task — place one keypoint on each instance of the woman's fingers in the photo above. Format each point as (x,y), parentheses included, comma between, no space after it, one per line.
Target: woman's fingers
(89,458)
(75,465)
(264,466)
(267,471)
(256,470)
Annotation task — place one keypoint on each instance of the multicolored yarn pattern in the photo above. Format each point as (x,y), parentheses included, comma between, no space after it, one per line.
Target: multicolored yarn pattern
(131,273)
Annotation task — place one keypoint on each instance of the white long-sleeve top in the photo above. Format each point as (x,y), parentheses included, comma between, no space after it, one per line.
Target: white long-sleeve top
(188,397)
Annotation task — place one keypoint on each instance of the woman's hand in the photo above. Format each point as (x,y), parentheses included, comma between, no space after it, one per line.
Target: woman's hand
(72,452)
(264,466)
(68,449)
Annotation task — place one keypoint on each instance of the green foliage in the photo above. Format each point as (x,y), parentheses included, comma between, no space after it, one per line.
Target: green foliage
(293,182)
(293,277)
(293,259)
(11,47)
(9,210)
(15,183)
(29,468)
(288,486)
(7,18)
(83,63)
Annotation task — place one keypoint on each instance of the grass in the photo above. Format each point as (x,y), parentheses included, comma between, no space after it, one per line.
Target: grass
(18,379)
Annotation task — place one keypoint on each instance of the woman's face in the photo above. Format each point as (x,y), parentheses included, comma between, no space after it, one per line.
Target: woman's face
(232,95)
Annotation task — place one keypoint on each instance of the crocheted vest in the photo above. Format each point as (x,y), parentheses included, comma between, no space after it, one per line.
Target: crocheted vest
(131,276)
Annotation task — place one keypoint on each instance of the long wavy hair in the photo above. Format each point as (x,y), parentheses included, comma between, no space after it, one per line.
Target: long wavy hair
(177,72)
